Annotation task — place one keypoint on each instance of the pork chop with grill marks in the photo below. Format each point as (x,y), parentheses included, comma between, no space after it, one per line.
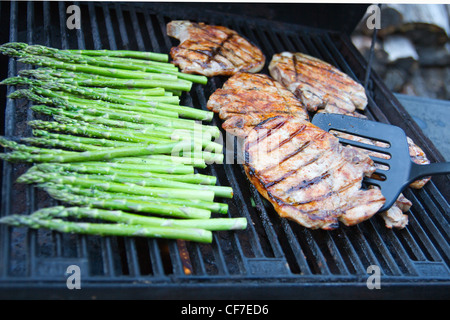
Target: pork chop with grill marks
(317,84)
(247,99)
(212,50)
(308,176)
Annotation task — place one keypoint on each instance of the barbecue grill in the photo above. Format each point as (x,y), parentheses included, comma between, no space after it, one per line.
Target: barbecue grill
(273,258)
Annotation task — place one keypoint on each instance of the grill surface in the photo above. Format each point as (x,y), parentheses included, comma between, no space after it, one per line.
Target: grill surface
(272,258)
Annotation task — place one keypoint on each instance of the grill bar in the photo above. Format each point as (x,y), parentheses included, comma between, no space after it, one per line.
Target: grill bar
(271,252)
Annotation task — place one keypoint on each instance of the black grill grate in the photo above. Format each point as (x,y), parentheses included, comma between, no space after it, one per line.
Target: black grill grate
(273,257)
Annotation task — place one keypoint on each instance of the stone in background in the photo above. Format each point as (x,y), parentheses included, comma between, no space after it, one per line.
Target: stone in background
(412,52)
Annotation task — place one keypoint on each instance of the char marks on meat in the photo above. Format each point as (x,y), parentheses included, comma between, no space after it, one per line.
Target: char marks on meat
(247,99)
(317,84)
(212,50)
(307,175)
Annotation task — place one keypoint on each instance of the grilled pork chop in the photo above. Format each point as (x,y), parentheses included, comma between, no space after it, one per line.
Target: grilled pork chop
(212,50)
(317,84)
(307,175)
(247,99)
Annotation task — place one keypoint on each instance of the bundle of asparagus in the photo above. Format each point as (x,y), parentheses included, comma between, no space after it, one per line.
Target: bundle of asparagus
(119,146)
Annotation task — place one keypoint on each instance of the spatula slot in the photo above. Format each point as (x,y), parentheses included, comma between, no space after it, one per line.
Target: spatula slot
(377,150)
(360,138)
(373,182)
(378,176)
(372,151)
(381,166)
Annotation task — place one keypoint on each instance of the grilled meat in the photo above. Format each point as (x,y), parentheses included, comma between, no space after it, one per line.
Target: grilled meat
(394,217)
(418,156)
(303,171)
(317,84)
(307,175)
(247,99)
(212,50)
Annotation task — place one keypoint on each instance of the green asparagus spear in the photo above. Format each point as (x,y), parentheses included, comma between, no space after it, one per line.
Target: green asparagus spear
(101,142)
(162,170)
(98,126)
(106,153)
(216,207)
(110,63)
(124,217)
(102,71)
(21,148)
(101,132)
(124,53)
(99,59)
(36,176)
(128,78)
(195,161)
(158,131)
(55,143)
(110,167)
(187,124)
(47,96)
(75,171)
(21,46)
(147,207)
(98,143)
(109,229)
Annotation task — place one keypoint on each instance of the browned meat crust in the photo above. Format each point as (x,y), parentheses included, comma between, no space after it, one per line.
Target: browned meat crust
(317,84)
(247,99)
(394,217)
(212,50)
(307,175)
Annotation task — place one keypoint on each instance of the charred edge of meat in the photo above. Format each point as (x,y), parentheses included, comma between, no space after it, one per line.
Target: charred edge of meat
(199,39)
(278,204)
(309,209)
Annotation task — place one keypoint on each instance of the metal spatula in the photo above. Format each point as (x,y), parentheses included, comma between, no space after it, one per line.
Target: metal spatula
(395,172)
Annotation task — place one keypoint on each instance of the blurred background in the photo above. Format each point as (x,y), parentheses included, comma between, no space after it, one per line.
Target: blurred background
(412,50)
(412,55)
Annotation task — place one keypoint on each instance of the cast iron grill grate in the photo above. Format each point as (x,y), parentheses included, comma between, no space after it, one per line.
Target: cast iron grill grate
(273,257)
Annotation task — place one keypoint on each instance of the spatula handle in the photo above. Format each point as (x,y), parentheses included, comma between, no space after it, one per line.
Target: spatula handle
(419,171)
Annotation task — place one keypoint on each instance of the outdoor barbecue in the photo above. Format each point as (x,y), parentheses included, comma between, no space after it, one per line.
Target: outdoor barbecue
(93,111)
